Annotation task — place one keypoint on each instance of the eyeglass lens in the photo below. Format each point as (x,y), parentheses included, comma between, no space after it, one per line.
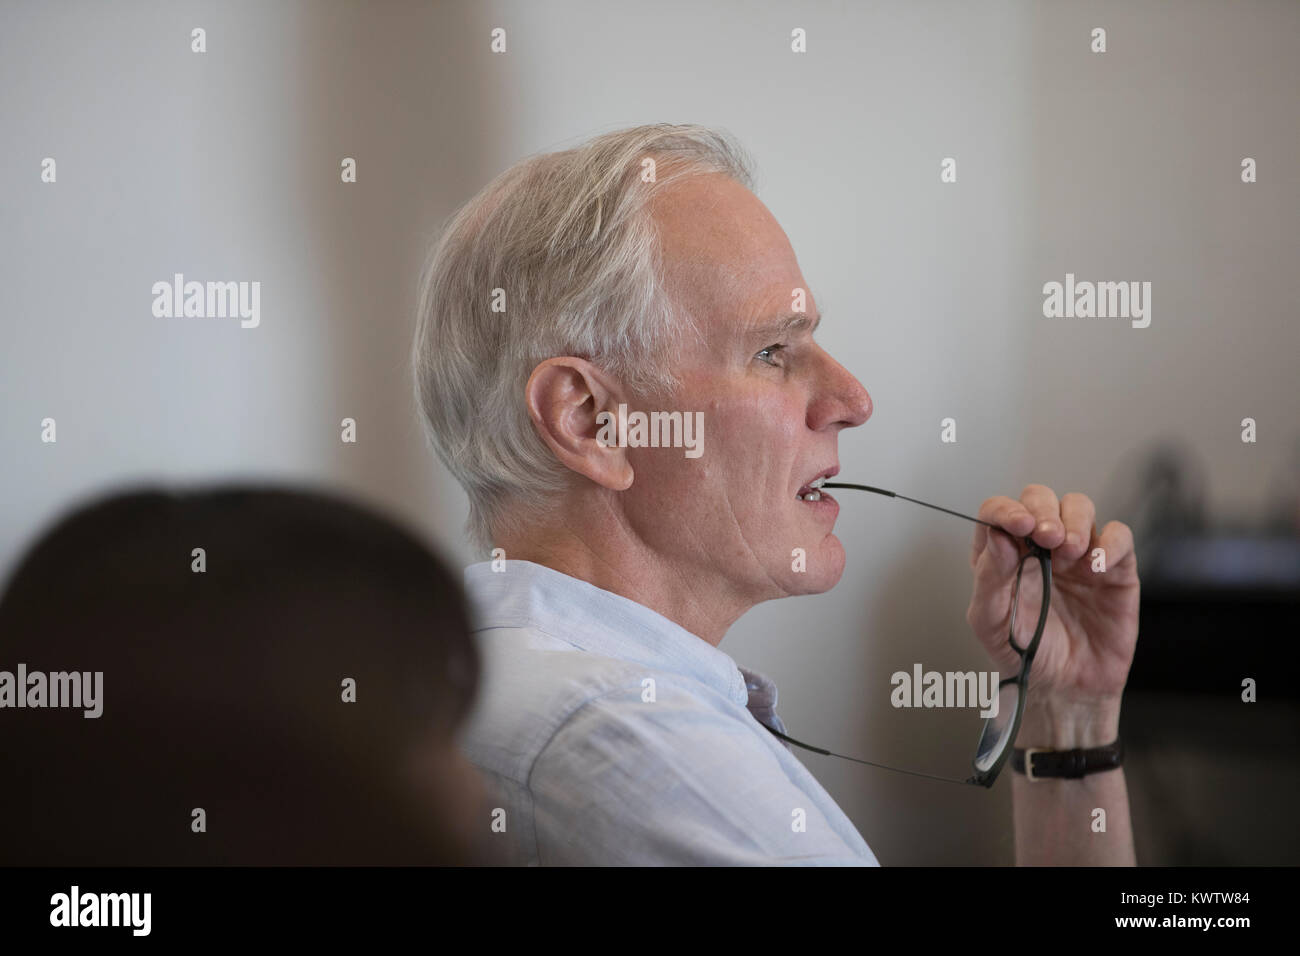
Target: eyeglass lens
(995,736)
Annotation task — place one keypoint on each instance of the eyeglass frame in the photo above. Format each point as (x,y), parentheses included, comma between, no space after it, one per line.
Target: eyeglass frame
(981,778)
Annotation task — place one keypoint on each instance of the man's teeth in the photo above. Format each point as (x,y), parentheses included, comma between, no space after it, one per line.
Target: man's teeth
(815,494)
(811,496)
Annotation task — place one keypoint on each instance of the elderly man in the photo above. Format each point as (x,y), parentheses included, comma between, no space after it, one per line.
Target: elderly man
(640,270)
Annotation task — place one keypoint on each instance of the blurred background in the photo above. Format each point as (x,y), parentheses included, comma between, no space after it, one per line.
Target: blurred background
(1123,165)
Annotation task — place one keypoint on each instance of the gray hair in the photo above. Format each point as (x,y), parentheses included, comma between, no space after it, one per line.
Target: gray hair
(569,242)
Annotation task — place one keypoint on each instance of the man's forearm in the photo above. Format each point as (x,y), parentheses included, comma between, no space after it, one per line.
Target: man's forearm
(1056,820)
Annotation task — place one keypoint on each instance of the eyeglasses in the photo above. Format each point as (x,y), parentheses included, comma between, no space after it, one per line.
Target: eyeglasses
(1032,591)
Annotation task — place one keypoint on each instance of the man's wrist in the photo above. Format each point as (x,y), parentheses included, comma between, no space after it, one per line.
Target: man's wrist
(1060,724)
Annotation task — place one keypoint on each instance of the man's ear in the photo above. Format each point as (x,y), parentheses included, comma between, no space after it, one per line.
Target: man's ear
(564,396)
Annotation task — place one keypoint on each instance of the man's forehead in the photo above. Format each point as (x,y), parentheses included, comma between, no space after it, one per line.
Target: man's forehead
(724,253)
(713,216)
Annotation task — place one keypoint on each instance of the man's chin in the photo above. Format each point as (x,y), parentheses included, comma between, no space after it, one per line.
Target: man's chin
(818,569)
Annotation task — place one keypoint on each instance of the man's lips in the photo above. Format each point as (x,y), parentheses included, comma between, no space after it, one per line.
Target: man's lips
(823,506)
(811,491)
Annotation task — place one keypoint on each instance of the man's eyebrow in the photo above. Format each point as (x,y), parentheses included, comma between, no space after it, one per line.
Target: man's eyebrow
(784,324)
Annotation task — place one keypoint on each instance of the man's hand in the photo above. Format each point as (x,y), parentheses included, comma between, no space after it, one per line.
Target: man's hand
(1088,641)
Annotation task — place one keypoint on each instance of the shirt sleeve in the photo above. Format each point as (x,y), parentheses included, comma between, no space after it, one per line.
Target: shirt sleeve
(673,782)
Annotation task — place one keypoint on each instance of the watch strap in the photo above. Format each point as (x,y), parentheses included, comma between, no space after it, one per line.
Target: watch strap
(1068,764)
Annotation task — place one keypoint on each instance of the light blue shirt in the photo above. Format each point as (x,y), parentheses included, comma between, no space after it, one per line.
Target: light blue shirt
(609,735)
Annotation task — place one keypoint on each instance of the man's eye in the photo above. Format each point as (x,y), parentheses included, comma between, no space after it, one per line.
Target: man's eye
(772,349)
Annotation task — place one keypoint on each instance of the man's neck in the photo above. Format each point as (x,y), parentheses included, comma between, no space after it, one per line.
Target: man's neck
(690,599)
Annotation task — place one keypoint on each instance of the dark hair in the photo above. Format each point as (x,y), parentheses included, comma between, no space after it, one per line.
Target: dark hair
(223,688)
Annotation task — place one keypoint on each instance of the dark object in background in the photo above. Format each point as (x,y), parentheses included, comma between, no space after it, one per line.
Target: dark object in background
(1218,601)
(223,690)
(1213,779)
(1217,608)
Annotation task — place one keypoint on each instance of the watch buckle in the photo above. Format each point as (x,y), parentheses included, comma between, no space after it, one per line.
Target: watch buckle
(1029,761)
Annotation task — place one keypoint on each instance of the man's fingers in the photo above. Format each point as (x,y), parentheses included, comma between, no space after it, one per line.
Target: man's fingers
(995,569)
(1116,539)
(1005,513)
(1079,516)
(1042,503)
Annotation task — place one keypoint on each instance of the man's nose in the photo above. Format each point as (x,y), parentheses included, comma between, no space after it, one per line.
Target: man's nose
(843,401)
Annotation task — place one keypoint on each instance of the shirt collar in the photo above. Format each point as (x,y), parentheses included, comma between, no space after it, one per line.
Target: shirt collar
(596,620)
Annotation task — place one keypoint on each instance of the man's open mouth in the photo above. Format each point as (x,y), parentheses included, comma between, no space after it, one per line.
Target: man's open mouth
(812,490)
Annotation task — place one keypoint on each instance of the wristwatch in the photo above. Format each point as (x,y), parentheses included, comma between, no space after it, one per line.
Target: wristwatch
(1044,762)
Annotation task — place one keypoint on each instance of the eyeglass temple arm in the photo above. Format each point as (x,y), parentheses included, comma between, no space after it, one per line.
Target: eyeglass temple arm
(894,494)
(869,763)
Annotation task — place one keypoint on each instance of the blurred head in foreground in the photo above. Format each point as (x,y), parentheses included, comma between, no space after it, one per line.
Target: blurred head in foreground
(288,694)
